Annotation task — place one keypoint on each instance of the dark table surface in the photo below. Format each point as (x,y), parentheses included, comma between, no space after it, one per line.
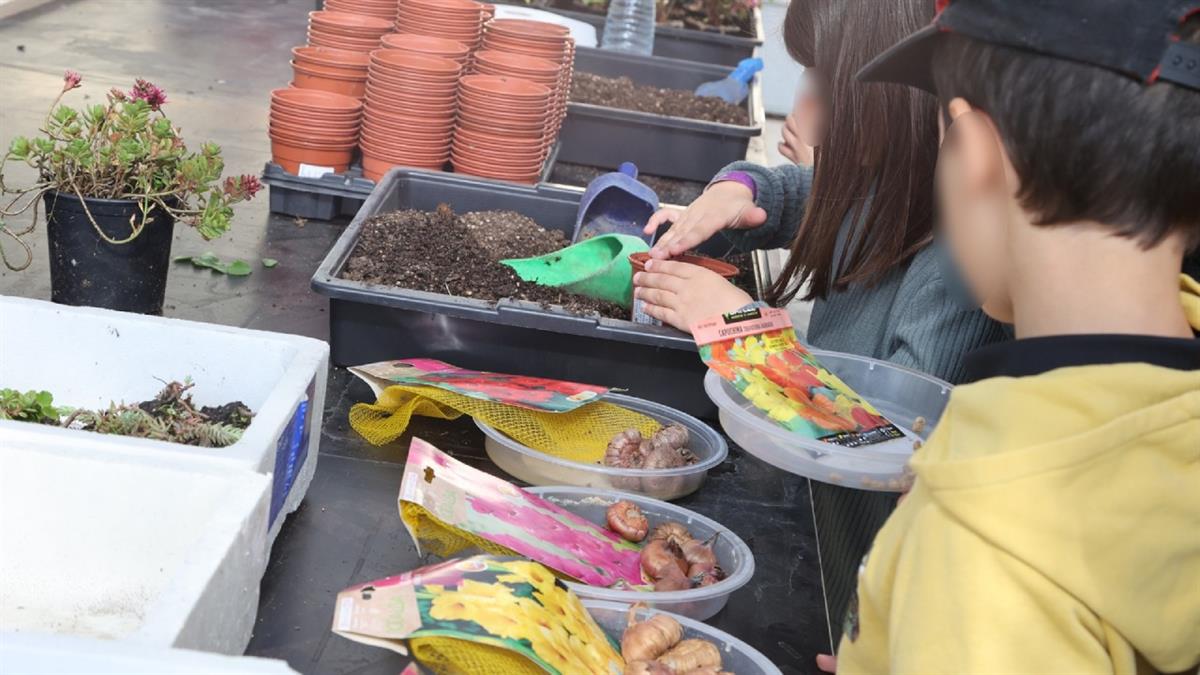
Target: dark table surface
(217,60)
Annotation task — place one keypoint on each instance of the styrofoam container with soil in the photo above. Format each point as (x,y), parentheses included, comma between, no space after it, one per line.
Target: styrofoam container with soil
(34,654)
(697,603)
(540,468)
(166,551)
(736,656)
(89,358)
(901,394)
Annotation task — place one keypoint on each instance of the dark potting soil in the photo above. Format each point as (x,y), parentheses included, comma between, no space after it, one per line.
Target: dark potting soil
(670,190)
(623,93)
(458,254)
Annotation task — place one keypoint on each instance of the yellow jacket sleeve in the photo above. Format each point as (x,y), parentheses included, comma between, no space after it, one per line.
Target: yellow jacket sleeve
(964,606)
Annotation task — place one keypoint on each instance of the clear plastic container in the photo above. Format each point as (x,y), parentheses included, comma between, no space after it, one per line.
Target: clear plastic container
(539,468)
(629,27)
(902,395)
(697,603)
(736,656)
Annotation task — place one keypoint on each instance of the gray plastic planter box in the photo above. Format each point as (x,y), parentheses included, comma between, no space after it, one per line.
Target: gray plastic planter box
(373,323)
(333,195)
(672,147)
(682,43)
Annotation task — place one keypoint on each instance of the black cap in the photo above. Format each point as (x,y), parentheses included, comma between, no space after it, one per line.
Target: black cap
(1137,38)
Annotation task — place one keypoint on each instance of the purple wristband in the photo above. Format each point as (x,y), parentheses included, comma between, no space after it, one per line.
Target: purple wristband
(740,177)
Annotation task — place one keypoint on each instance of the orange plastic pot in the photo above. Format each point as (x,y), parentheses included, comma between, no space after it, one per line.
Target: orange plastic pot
(428,45)
(638,262)
(374,168)
(312,133)
(351,24)
(329,57)
(305,119)
(306,78)
(290,156)
(406,61)
(400,107)
(313,100)
(507,87)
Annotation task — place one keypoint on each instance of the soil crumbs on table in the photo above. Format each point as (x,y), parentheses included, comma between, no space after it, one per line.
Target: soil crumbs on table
(621,92)
(669,190)
(458,254)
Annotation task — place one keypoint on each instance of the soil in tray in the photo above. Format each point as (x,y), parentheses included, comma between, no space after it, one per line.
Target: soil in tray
(621,92)
(458,254)
(670,190)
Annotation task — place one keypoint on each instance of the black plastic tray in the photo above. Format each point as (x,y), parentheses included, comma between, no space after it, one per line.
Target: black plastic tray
(373,323)
(682,43)
(672,147)
(333,195)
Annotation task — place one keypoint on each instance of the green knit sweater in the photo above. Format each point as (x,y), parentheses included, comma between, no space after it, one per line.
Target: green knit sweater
(908,318)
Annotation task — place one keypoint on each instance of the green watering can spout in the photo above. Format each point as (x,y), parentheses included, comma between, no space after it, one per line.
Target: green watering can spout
(598,268)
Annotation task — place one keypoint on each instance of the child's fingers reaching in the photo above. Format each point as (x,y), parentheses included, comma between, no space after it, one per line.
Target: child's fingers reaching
(661,282)
(827,663)
(664,314)
(668,214)
(786,151)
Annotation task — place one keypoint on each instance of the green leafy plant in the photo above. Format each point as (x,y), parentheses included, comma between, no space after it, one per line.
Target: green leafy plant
(234,268)
(170,416)
(28,406)
(127,149)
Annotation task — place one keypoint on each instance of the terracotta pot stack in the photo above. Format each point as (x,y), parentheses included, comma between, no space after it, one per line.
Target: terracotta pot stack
(458,20)
(342,30)
(335,70)
(383,9)
(503,128)
(433,46)
(537,39)
(412,100)
(314,128)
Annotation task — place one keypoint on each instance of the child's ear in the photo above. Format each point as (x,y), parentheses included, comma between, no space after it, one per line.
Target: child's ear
(978,147)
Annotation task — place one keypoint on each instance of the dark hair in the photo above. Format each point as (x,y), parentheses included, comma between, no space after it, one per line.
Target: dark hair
(875,164)
(1086,143)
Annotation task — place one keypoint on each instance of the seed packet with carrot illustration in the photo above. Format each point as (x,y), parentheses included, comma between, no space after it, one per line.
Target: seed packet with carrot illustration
(481,614)
(758,352)
(448,506)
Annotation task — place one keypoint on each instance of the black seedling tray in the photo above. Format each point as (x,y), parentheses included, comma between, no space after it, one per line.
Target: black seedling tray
(333,195)
(672,147)
(682,43)
(370,323)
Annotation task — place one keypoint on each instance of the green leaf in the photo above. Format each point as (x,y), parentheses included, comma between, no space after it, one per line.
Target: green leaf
(238,268)
(209,260)
(269,262)
(19,148)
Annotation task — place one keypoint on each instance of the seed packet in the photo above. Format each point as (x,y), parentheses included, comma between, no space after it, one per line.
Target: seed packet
(448,506)
(481,614)
(531,393)
(758,352)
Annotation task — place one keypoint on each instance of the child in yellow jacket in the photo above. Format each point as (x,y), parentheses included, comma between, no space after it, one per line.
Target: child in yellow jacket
(1054,525)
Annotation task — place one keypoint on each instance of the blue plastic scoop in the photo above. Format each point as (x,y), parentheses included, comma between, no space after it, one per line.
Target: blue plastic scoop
(615,203)
(736,86)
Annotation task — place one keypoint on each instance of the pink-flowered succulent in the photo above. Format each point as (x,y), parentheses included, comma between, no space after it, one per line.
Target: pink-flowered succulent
(71,80)
(145,91)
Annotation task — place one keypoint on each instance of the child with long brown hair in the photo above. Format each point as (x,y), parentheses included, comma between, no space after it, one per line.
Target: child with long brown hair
(859,222)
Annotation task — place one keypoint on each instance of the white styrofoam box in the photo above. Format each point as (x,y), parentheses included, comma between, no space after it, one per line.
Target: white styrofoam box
(166,551)
(90,357)
(29,654)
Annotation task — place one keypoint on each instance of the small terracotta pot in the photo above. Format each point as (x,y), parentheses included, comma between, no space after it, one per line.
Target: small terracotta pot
(315,141)
(327,56)
(352,24)
(384,104)
(291,155)
(311,132)
(428,45)
(503,107)
(406,61)
(536,133)
(383,80)
(321,40)
(638,262)
(489,172)
(388,134)
(305,100)
(307,118)
(375,168)
(386,11)
(307,78)
(533,29)
(508,87)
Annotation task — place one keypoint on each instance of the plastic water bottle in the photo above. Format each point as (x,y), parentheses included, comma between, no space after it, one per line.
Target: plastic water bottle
(630,27)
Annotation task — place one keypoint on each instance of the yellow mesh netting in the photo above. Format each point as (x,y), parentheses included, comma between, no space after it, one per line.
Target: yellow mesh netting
(448,656)
(580,435)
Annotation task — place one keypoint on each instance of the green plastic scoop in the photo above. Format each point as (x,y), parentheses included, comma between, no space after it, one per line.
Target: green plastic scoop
(598,267)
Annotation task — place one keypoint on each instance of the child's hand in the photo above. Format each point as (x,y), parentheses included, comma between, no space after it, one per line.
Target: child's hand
(679,294)
(791,146)
(727,204)
(827,663)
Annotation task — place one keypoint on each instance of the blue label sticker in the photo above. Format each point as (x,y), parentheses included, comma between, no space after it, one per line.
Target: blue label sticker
(290,453)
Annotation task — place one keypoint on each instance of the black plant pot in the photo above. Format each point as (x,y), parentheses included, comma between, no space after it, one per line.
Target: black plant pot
(87,270)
